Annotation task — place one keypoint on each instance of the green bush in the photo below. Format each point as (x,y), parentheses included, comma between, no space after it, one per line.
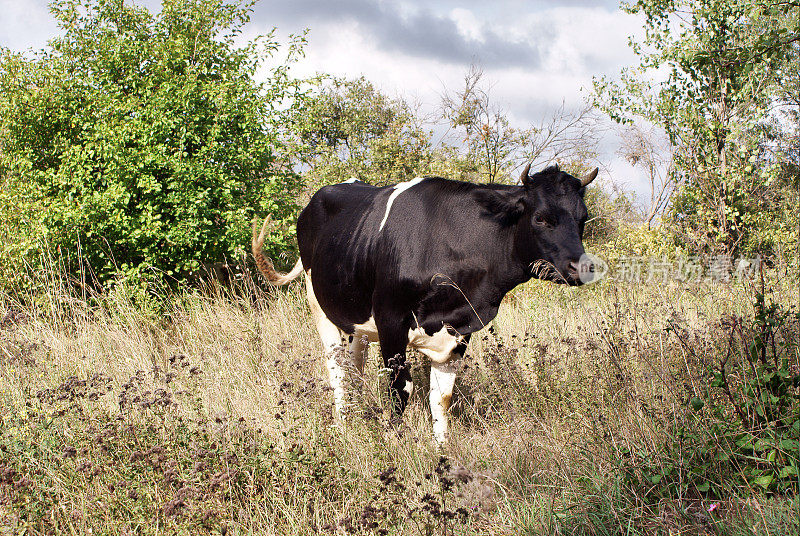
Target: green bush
(758,395)
(141,144)
(639,240)
(740,429)
(616,228)
(351,129)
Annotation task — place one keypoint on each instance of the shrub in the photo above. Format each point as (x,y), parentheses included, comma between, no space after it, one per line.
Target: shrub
(138,141)
(740,428)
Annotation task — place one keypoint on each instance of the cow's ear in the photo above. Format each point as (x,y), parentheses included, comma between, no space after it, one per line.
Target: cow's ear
(505,206)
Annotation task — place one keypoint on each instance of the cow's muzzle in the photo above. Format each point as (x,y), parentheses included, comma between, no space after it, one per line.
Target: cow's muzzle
(584,270)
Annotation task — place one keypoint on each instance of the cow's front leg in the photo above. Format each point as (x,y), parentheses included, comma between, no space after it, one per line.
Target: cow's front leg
(393,347)
(443,378)
(400,384)
(358,346)
(357,354)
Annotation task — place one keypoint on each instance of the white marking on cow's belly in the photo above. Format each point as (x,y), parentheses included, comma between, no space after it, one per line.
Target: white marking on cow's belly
(438,347)
(368,328)
(398,189)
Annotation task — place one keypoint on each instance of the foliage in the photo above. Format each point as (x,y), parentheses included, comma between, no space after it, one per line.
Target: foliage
(609,210)
(492,148)
(488,135)
(651,152)
(757,392)
(157,460)
(635,239)
(539,402)
(139,142)
(741,426)
(348,129)
(617,228)
(786,143)
(717,66)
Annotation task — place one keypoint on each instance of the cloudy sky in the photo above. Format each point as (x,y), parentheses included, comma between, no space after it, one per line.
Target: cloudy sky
(536,54)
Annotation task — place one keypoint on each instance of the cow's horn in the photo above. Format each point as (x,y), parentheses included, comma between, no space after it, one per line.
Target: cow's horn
(589,177)
(525,178)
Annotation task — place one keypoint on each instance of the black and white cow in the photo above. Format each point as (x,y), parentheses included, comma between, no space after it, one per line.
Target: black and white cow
(426,263)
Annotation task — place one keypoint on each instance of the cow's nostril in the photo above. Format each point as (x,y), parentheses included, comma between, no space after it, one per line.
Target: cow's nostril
(574,268)
(582,270)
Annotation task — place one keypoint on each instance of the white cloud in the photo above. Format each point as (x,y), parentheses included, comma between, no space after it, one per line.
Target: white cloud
(468,24)
(25,24)
(579,44)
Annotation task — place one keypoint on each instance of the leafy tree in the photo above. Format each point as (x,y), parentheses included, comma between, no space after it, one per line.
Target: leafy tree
(348,128)
(493,149)
(707,78)
(488,136)
(650,151)
(141,143)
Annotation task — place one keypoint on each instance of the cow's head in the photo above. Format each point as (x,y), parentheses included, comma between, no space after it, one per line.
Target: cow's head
(548,215)
(550,230)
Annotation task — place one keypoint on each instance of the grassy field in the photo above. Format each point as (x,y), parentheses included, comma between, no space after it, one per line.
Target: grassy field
(209,412)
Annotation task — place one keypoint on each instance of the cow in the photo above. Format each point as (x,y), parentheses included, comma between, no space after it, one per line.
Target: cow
(425,263)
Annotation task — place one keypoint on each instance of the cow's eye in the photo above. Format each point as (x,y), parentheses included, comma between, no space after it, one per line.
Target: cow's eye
(541,219)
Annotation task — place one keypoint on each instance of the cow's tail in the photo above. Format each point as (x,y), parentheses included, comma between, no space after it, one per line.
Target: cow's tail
(265,265)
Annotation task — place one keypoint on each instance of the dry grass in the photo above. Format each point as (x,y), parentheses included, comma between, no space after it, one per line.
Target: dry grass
(564,378)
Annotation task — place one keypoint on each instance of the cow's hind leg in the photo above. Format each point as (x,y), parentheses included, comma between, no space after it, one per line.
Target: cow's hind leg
(359,346)
(335,355)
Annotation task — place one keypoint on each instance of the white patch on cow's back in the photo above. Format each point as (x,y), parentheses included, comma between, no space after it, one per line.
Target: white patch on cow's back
(350,180)
(438,347)
(398,189)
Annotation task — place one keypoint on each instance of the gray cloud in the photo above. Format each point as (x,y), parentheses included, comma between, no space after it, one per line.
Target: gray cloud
(420,33)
